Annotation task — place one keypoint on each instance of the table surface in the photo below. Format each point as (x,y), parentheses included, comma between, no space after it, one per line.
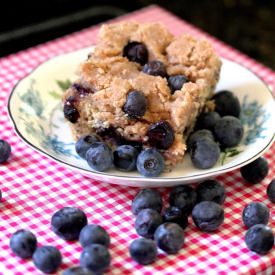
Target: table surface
(34,187)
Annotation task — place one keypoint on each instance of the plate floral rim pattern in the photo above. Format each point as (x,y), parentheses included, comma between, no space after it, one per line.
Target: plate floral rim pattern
(251,112)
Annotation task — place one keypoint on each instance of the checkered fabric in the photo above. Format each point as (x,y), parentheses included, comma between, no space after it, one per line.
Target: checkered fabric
(34,187)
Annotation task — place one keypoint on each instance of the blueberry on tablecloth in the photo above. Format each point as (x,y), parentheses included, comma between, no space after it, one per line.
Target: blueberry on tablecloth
(259,238)
(270,191)
(208,216)
(143,251)
(169,237)
(23,243)
(147,221)
(147,198)
(68,222)
(96,258)
(47,258)
(255,213)
(211,190)
(255,171)
(93,233)
(183,197)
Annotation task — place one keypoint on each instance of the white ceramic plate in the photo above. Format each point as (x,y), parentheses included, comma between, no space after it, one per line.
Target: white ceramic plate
(35,110)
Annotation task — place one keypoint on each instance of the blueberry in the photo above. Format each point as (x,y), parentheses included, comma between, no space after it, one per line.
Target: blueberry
(147,198)
(81,90)
(211,190)
(161,135)
(175,215)
(5,151)
(176,82)
(270,191)
(78,270)
(136,52)
(255,213)
(147,222)
(96,258)
(99,157)
(259,238)
(207,120)
(23,243)
(125,158)
(208,216)
(83,144)
(150,163)
(92,233)
(204,153)
(169,237)
(155,68)
(47,258)
(143,251)
(228,131)
(183,197)
(136,104)
(70,111)
(227,104)
(255,171)
(68,222)
(198,135)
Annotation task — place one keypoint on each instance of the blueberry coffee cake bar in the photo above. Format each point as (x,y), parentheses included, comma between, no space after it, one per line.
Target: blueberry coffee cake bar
(142,86)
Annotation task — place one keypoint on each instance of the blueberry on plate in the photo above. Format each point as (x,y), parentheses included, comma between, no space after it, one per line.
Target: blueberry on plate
(70,111)
(84,143)
(136,52)
(99,157)
(147,221)
(227,104)
(23,243)
(169,237)
(161,135)
(259,238)
(5,150)
(228,131)
(175,215)
(175,82)
(77,270)
(136,104)
(125,158)
(92,233)
(143,251)
(147,198)
(255,171)
(68,222)
(184,197)
(211,190)
(208,216)
(204,153)
(270,191)
(207,120)
(255,213)
(198,135)
(96,258)
(155,68)
(47,258)
(150,163)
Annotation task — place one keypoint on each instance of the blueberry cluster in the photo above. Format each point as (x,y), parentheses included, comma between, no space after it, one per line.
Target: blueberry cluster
(69,223)
(259,237)
(100,157)
(164,228)
(216,131)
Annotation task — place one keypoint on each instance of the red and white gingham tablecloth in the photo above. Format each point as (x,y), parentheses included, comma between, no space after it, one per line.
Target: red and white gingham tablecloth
(34,187)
